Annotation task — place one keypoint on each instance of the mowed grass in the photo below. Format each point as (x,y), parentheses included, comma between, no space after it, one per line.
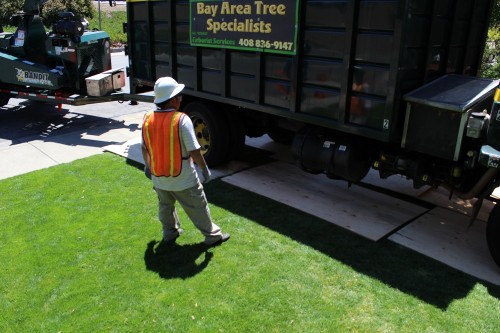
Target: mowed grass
(112,23)
(78,254)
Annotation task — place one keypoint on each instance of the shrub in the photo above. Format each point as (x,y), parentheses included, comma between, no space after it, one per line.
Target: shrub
(52,8)
(9,8)
(51,11)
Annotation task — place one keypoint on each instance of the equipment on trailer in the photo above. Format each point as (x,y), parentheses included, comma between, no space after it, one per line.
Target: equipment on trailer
(54,65)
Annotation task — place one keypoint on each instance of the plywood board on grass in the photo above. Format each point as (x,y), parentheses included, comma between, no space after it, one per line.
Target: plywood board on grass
(444,235)
(436,196)
(395,183)
(131,150)
(365,212)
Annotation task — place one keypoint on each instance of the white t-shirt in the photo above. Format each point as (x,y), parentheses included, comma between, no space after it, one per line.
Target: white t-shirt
(188,177)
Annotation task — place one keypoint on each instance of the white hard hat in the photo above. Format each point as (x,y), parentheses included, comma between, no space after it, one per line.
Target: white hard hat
(166,88)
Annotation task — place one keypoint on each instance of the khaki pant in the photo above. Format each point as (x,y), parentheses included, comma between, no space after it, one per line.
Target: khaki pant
(194,203)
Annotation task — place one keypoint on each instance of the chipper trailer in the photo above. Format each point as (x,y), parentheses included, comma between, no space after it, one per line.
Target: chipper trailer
(66,65)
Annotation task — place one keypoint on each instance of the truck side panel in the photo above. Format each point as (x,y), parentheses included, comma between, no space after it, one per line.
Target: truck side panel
(354,62)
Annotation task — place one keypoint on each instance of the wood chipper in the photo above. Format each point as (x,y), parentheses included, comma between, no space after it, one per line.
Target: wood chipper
(60,64)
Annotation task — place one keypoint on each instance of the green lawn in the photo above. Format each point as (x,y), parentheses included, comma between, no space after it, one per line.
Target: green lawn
(77,250)
(112,23)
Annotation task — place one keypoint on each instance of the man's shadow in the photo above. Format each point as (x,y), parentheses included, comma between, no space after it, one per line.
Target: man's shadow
(176,261)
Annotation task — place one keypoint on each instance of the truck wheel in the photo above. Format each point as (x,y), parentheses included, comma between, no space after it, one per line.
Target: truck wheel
(493,234)
(281,135)
(4,99)
(211,129)
(237,138)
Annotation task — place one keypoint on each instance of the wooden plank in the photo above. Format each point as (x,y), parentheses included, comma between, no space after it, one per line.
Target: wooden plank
(396,183)
(365,212)
(132,150)
(436,196)
(443,235)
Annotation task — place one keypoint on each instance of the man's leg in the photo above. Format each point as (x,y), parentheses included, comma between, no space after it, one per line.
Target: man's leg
(194,203)
(167,215)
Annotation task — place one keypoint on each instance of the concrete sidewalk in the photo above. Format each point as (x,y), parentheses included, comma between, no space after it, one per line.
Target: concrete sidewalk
(51,148)
(107,124)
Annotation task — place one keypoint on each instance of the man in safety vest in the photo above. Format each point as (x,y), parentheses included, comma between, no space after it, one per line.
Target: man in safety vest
(169,148)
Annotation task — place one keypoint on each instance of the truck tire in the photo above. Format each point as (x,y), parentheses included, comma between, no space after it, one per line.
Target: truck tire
(281,135)
(493,234)
(211,128)
(237,134)
(4,99)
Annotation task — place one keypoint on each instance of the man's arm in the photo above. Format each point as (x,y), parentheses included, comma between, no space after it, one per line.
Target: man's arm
(147,161)
(198,158)
(145,155)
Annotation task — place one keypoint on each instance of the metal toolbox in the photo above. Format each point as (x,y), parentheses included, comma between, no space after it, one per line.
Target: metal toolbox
(99,84)
(437,113)
(117,78)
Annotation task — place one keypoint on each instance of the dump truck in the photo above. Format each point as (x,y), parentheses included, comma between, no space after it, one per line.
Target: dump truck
(68,64)
(351,84)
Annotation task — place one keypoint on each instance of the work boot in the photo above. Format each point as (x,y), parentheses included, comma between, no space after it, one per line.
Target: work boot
(218,242)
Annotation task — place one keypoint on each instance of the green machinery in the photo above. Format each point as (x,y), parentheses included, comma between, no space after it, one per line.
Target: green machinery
(39,64)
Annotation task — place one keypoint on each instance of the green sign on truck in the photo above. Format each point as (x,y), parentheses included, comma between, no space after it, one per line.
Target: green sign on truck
(255,25)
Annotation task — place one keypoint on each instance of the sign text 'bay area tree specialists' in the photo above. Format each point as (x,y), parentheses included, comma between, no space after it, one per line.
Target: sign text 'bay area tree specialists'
(257,25)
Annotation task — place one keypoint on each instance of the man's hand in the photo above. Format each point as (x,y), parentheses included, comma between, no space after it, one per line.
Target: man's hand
(206,174)
(147,171)
(199,160)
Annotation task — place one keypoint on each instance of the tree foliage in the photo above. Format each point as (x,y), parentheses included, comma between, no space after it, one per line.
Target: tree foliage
(80,8)
(495,14)
(50,10)
(491,58)
(9,8)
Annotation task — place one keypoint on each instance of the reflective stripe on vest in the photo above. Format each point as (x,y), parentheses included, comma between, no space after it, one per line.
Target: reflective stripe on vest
(160,132)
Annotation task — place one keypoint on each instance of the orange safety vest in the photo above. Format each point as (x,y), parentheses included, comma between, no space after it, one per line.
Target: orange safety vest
(160,132)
